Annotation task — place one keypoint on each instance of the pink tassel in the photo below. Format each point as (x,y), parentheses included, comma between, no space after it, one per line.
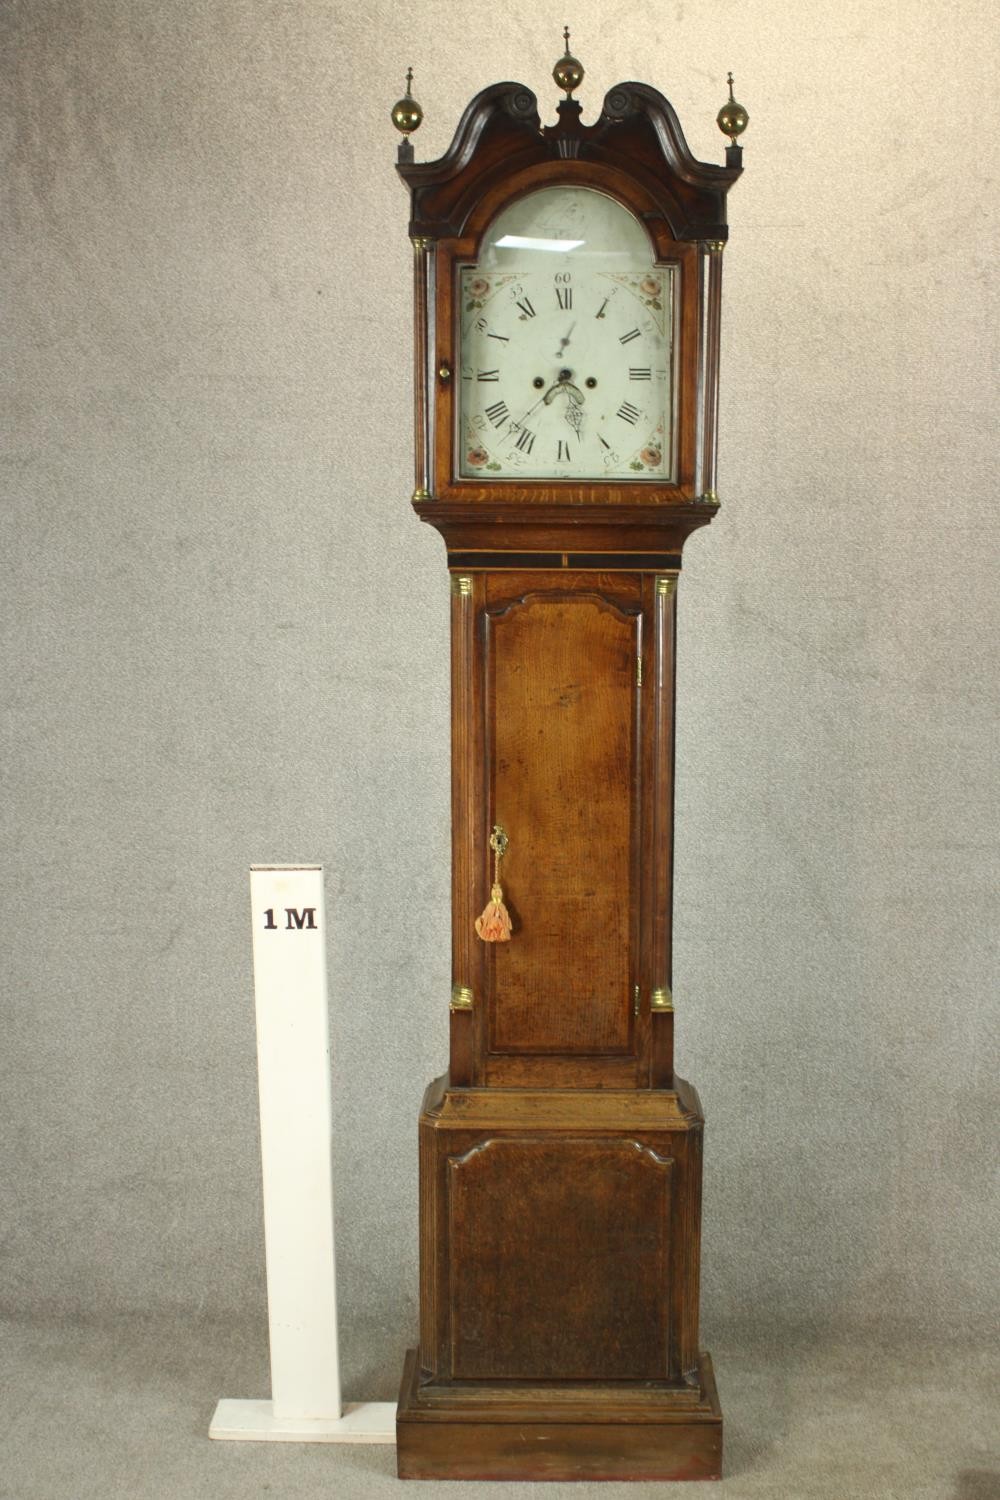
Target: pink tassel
(494,924)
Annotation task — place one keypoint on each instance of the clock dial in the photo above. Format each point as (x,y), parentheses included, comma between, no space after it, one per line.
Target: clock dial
(567,346)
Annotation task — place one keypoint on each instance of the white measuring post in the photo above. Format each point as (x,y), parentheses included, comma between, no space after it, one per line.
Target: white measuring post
(296,1121)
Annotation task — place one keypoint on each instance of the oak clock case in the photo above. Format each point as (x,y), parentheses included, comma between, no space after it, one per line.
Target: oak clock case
(567,296)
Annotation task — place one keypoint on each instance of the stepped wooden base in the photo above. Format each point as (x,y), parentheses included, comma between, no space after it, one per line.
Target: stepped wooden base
(559,1430)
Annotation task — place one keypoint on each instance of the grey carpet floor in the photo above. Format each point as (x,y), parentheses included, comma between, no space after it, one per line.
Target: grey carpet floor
(97,1412)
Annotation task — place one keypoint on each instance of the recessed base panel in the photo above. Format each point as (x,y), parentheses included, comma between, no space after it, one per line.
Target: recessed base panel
(559,1432)
(254,1421)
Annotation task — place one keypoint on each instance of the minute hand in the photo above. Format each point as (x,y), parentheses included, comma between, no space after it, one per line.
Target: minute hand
(564,341)
(513,426)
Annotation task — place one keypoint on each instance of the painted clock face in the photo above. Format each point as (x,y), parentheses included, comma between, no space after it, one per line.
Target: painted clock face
(567,346)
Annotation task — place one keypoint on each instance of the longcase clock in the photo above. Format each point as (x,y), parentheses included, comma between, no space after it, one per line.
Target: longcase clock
(567,296)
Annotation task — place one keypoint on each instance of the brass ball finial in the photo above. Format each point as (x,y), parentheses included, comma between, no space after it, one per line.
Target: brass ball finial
(732,118)
(406,112)
(568,71)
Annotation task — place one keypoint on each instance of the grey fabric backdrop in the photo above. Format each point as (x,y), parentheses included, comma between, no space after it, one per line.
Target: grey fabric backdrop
(224,641)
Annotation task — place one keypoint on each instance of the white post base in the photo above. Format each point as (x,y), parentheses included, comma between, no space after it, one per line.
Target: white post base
(255,1422)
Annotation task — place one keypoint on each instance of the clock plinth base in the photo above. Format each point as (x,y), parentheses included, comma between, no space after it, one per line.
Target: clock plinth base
(559,1432)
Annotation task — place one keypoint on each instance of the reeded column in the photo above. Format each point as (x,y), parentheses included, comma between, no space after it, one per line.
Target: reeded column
(711,313)
(423,299)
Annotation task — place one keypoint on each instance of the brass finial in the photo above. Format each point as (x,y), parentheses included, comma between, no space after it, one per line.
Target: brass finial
(568,71)
(732,118)
(406,112)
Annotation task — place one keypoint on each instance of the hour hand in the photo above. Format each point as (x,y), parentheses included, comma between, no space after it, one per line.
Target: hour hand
(563,385)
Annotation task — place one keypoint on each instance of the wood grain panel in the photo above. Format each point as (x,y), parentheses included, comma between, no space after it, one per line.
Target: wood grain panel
(559,1259)
(562,699)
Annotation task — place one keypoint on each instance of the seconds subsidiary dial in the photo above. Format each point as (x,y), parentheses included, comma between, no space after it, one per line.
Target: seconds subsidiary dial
(567,346)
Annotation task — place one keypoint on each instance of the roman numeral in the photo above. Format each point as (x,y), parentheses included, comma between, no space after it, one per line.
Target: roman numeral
(527,311)
(488,375)
(628,412)
(564,296)
(526,440)
(501,336)
(563,454)
(636,374)
(600,311)
(498,413)
(627,338)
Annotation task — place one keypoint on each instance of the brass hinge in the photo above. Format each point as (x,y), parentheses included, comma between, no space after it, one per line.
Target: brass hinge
(638,671)
(461,997)
(636,994)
